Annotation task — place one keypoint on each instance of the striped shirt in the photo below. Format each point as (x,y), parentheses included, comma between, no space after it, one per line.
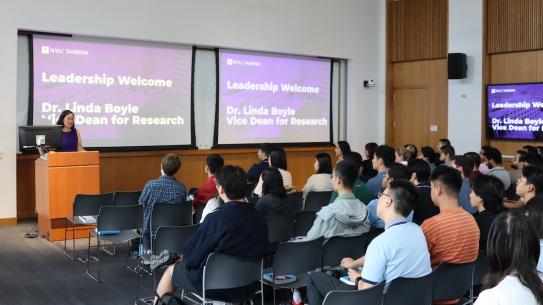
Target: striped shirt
(452,237)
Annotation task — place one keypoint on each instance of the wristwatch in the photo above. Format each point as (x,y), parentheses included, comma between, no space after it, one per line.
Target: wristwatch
(357,280)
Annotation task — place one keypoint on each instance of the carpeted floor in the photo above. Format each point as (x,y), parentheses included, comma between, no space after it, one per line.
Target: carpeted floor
(36,271)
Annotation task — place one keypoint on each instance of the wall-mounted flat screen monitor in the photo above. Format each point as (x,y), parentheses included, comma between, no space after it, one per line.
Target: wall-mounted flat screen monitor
(515,111)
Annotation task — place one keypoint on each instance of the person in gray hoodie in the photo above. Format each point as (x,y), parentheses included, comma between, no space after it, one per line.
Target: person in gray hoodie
(346,216)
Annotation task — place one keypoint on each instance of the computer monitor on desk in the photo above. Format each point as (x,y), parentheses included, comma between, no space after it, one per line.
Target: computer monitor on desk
(32,139)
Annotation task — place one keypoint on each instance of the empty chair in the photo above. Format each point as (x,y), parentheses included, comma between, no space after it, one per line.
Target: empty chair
(303,222)
(371,296)
(165,214)
(126,198)
(280,228)
(223,271)
(116,224)
(409,291)
(451,281)
(296,258)
(316,200)
(338,247)
(294,202)
(84,211)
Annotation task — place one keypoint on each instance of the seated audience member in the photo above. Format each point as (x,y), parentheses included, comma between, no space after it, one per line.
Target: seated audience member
(360,189)
(396,172)
(429,155)
(476,163)
(530,184)
(256,169)
(513,250)
(208,190)
(321,181)
(484,167)
(535,214)
(401,251)
(383,159)
(402,155)
(453,234)
(531,150)
(487,197)
(278,160)
(464,165)
(420,176)
(272,203)
(367,168)
(346,216)
(164,189)
(413,149)
(342,148)
(447,155)
(234,229)
(516,166)
(494,157)
(441,143)
(534,160)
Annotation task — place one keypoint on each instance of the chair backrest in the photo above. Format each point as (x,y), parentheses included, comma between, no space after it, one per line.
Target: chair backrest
(280,228)
(412,291)
(173,238)
(303,222)
(198,213)
(89,205)
(371,296)
(294,202)
(113,218)
(338,247)
(298,257)
(126,198)
(451,281)
(223,271)
(316,200)
(481,268)
(167,214)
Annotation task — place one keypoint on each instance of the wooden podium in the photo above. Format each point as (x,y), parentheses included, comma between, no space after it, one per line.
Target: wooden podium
(58,180)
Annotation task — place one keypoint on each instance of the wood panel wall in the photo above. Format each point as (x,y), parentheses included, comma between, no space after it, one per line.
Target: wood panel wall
(417,29)
(131,170)
(514,25)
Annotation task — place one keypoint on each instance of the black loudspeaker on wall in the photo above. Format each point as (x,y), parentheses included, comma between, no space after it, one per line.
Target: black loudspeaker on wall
(457,65)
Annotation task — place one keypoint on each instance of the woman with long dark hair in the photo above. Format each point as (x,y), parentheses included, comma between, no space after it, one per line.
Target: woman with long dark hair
(272,202)
(71,139)
(367,167)
(513,252)
(342,148)
(277,160)
(321,181)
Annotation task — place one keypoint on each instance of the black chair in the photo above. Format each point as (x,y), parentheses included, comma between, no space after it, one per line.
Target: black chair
(294,202)
(412,291)
(280,228)
(198,213)
(84,211)
(166,214)
(223,271)
(480,269)
(123,222)
(316,200)
(371,296)
(126,198)
(303,222)
(451,281)
(338,247)
(296,258)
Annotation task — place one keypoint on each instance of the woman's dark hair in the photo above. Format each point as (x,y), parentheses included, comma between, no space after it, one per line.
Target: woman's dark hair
(278,158)
(325,163)
(491,190)
(63,114)
(475,157)
(344,147)
(448,150)
(272,183)
(429,153)
(513,249)
(535,214)
(370,147)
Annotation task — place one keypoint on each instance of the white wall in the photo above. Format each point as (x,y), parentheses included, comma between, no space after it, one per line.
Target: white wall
(351,29)
(465,95)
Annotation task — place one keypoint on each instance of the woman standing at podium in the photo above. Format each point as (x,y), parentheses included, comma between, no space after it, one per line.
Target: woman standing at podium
(71,140)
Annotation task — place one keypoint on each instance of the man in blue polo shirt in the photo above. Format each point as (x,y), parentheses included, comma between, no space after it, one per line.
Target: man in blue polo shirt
(401,251)
(383,159)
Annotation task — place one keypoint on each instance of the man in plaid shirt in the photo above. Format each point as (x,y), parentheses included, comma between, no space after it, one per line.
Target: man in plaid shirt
(164,189)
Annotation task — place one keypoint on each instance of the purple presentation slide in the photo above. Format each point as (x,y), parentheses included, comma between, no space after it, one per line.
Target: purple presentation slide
(515,111)
(273,98)
(123,93)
